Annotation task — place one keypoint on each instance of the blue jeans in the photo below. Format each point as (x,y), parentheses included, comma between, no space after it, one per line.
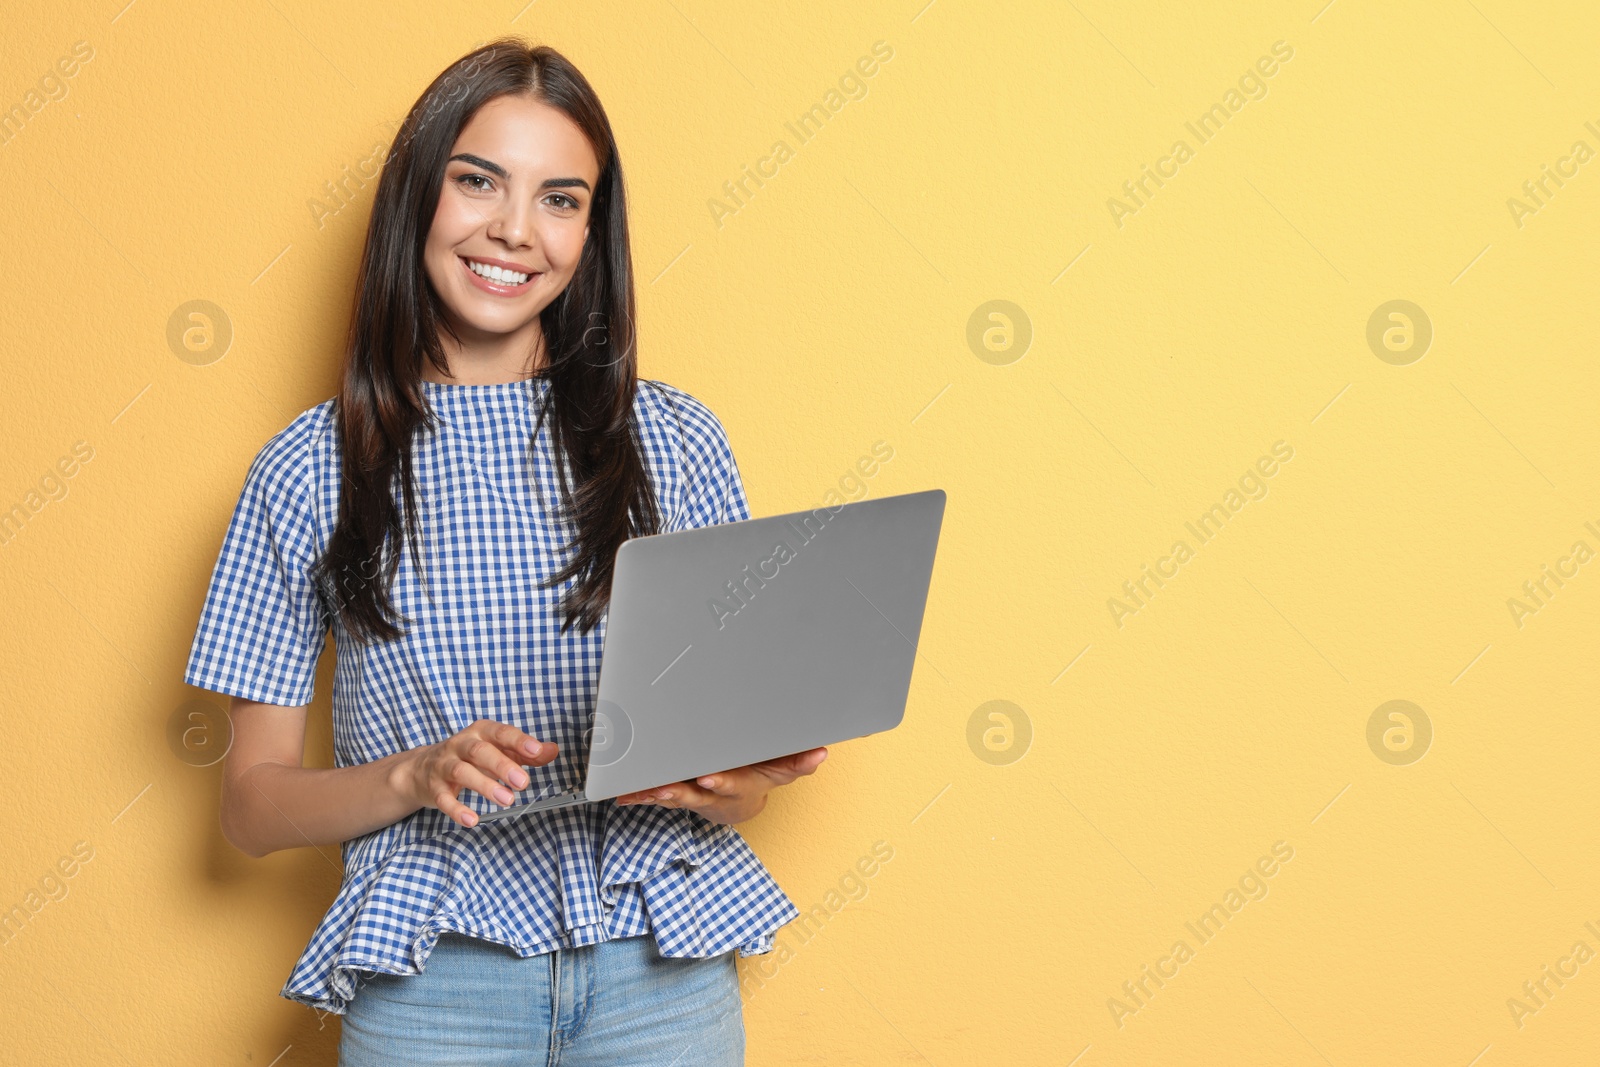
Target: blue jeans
(610,1004)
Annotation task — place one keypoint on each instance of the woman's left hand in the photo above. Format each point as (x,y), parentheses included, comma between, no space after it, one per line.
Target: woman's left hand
(731,796)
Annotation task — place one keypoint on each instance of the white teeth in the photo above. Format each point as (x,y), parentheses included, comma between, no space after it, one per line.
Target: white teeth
(497,274)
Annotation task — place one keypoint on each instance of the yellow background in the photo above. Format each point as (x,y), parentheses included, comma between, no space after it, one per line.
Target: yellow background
(829,312)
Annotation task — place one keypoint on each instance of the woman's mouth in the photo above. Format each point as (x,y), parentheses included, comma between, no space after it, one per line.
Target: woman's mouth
(500,281)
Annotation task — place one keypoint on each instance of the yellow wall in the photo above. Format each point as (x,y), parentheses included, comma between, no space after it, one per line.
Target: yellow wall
(1154,756)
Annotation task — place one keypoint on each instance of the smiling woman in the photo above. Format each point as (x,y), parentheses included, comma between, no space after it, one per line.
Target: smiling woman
(454,515)
(530,204)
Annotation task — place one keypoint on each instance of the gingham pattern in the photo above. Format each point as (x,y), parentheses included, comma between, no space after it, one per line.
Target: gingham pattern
(487,644)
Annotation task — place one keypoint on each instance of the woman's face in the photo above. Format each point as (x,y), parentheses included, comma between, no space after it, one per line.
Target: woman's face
(516,196)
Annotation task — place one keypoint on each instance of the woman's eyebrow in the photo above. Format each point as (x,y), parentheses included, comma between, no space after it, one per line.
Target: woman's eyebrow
(500,172)
(478,161)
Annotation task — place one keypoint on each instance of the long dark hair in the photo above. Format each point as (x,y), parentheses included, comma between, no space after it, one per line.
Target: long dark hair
(590,361)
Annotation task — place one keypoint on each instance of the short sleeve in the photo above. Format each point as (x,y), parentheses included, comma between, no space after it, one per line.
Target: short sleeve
(264,624)
(713,491)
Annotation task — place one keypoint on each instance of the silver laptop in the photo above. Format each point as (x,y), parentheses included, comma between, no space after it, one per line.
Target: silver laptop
(728,645)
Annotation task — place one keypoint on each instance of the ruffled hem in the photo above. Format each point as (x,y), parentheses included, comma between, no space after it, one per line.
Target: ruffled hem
(696,887)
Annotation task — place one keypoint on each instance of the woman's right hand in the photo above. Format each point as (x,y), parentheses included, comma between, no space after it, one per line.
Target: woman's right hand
(483,757)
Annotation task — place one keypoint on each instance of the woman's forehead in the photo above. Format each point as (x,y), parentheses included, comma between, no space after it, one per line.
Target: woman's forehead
(527,138)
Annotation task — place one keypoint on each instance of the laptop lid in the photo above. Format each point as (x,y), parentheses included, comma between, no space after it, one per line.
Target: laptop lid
(731,644)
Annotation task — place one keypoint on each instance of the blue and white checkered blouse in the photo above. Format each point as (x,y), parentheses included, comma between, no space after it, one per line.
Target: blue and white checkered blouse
(487,645)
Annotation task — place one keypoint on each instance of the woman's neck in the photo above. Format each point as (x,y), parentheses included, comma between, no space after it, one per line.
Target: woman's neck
(490,360)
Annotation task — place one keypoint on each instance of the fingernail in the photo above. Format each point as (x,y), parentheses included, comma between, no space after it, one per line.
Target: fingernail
(519,779)
(532,748)
(708,782)
(666,796)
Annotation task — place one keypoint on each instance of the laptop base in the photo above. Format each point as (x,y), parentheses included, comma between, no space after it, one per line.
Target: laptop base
(559,800)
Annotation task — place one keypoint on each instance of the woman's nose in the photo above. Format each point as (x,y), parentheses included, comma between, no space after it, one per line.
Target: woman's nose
(513,224)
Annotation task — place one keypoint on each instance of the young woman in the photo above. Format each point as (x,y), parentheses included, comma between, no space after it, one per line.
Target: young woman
(453,514)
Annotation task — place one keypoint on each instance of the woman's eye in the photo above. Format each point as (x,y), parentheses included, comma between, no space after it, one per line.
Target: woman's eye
(467,179)
(564,202)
